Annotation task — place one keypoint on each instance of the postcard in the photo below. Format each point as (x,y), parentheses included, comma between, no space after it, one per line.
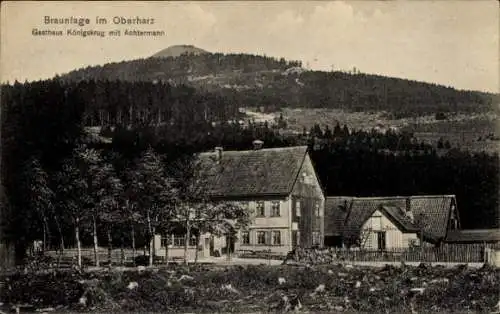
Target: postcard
(249,156)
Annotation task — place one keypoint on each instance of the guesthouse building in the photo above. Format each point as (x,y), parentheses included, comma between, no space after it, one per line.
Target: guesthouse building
(279,186)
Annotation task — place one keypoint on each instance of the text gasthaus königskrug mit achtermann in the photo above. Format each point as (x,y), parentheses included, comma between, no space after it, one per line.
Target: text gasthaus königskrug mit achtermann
(93,33)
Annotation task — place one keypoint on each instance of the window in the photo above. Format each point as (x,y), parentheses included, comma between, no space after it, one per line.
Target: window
(317,212)
(261,237)
(179,240)
(261,209)
(245,237)
(245,205)
(192,241)
(307,179)
(381,240)
(166,241)
(297,208)
(413,243)
(315,238)
(454,221)
(275,209)
(276,238)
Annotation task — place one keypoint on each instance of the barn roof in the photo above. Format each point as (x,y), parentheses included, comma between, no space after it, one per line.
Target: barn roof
(398,217)
(433,213)
(473,236)
(260,172)
(336,209)
(362,208)
(430,211)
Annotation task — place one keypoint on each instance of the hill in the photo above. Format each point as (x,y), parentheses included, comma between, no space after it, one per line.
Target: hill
(272,83)
(178,50)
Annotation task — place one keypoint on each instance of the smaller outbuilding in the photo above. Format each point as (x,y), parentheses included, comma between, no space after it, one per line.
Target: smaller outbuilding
(469,236)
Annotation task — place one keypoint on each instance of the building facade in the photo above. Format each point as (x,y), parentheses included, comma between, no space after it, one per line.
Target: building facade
(279,187)
(384,231)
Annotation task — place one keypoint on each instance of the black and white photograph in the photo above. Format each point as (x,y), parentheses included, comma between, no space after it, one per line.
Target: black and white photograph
(250,157)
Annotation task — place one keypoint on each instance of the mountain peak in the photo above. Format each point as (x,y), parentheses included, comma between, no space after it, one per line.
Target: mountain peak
(177,50)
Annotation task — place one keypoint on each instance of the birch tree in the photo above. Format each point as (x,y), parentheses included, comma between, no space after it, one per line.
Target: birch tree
(154,195)
(110,202)
(73,199)
(94,172)
(39,195)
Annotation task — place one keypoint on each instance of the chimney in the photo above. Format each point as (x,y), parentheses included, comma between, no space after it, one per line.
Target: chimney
(218,154)
(257,144)
(408,204)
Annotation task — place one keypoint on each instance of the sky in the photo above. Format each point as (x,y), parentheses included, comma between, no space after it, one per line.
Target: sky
(454,43)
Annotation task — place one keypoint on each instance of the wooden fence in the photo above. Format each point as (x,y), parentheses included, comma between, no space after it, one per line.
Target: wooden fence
(70,255)
(446,253)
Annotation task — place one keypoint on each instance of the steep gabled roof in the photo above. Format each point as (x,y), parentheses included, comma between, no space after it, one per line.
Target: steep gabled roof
(362,208)
(336,209)
(398,217)
(261,172)
(432,212)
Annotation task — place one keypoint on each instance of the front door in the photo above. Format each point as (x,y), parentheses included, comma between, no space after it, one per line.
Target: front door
(294,239)
(229,244)
(212,246)
(381,240)
(206,247)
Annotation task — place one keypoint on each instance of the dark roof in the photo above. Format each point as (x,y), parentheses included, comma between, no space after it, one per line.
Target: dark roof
(335,213)
(271,171)
(473,235)
(398,217)
(433,213)
(362,208)
(430,211)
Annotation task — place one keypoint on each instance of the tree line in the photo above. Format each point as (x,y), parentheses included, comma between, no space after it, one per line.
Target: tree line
(101,103)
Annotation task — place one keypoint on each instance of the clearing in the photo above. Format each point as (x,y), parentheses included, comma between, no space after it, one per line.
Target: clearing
(250,288)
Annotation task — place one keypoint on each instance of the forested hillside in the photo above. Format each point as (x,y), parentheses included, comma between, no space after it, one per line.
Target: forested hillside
(272,83)
(116,102)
